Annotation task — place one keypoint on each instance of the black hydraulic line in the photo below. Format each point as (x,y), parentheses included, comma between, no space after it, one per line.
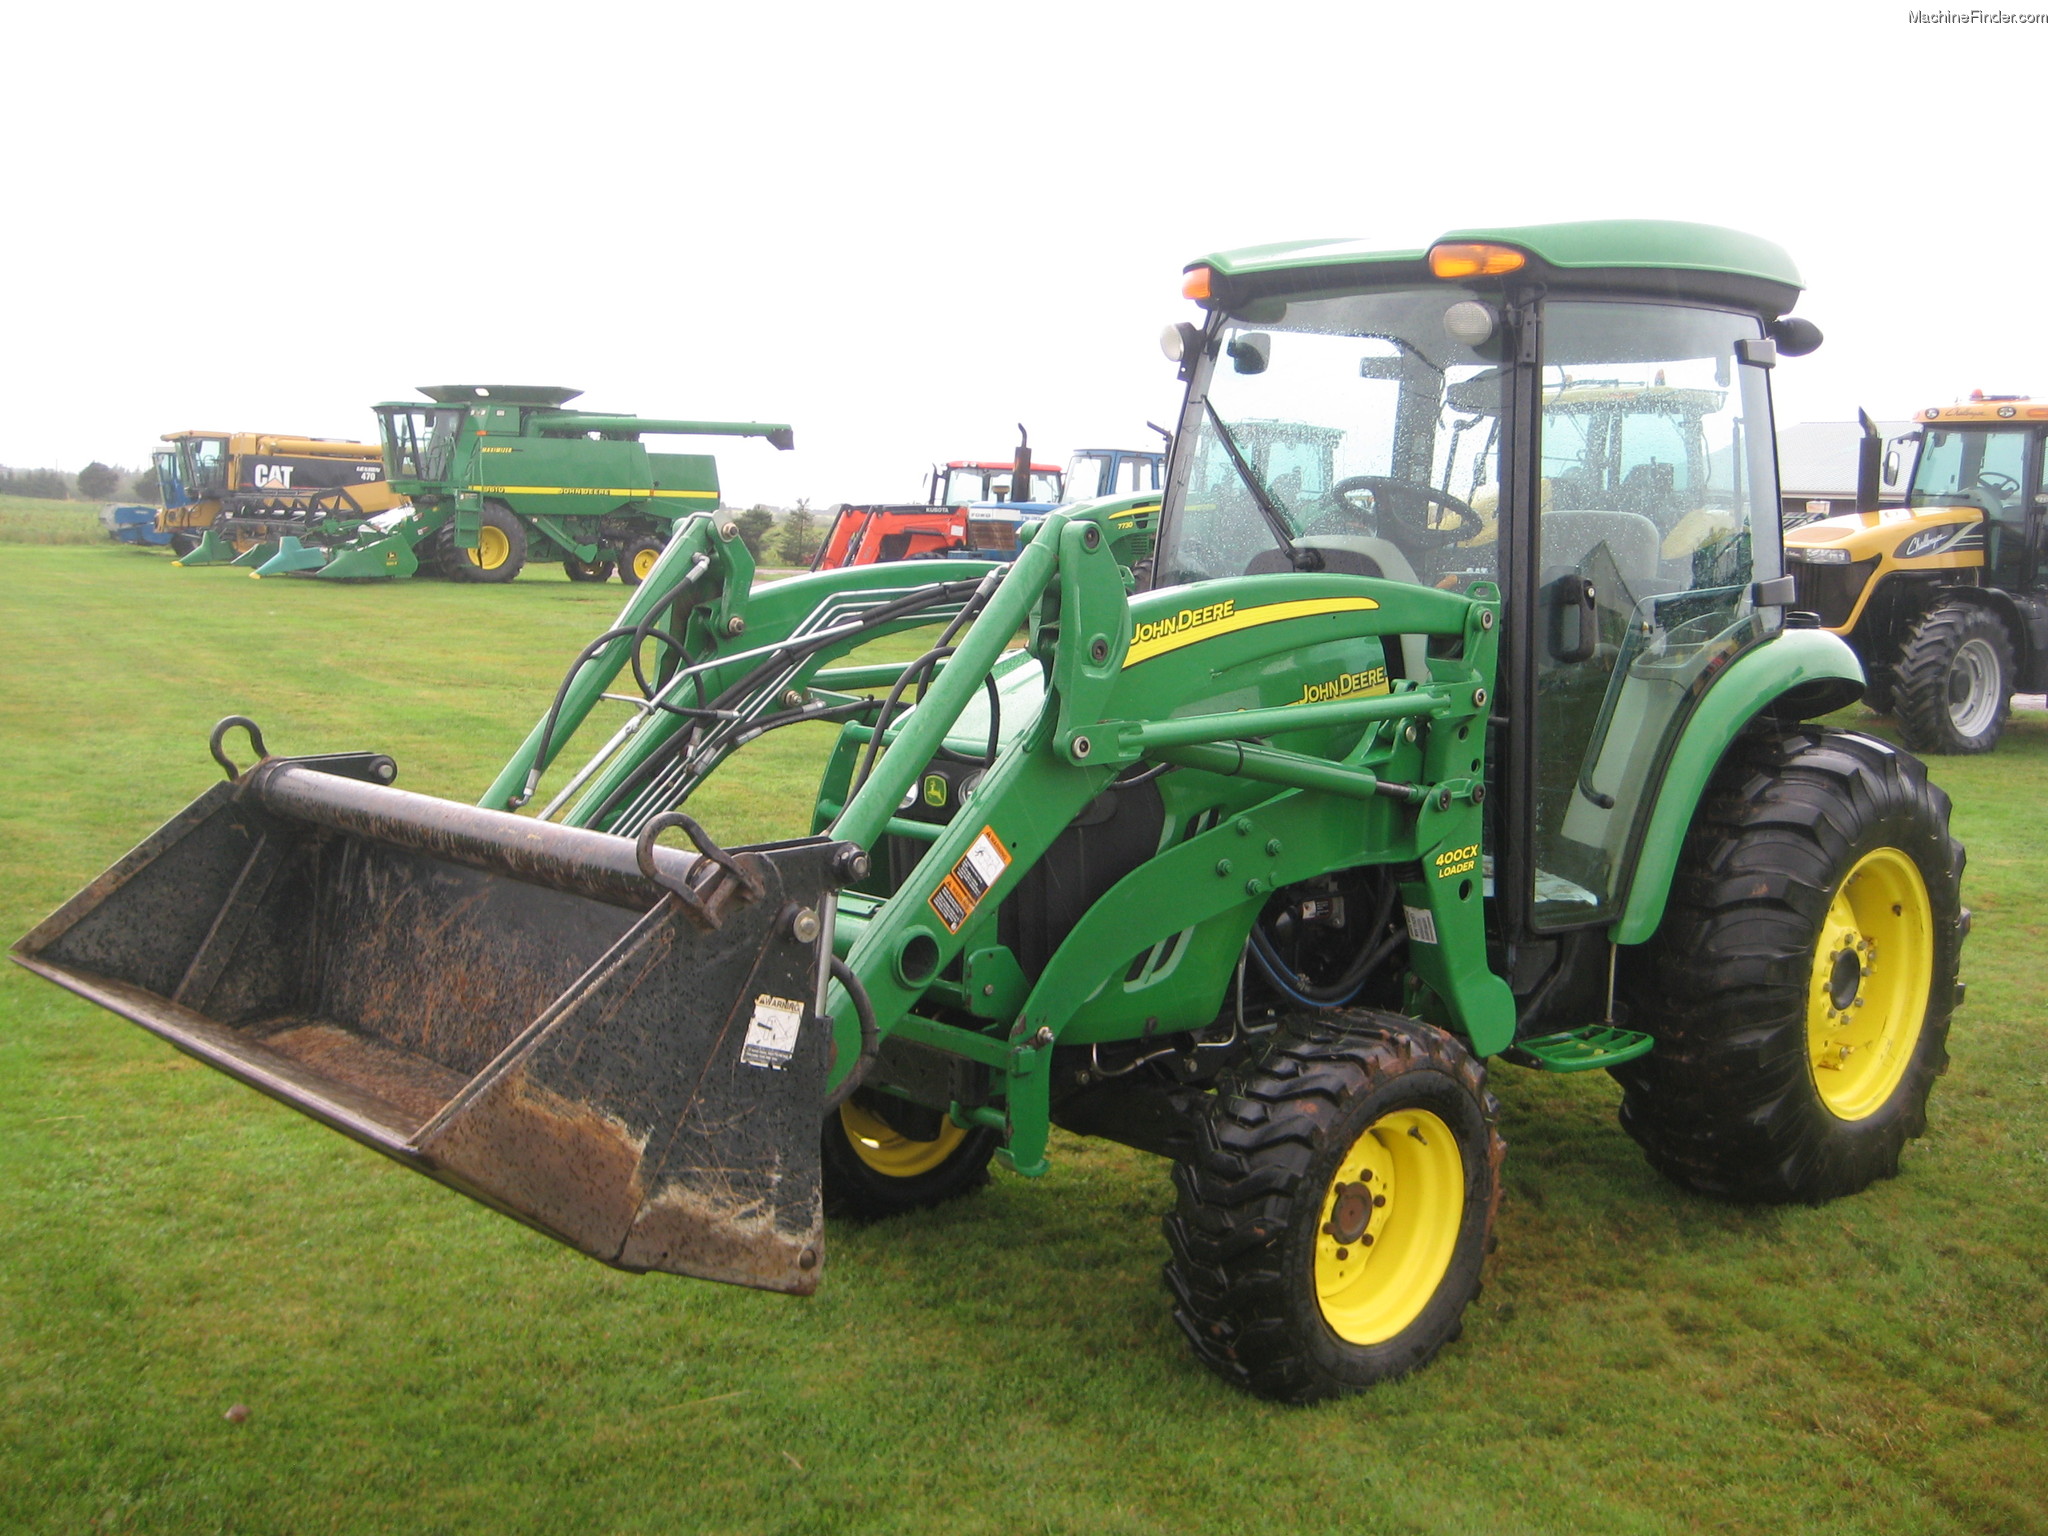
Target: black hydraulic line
(675,746)
(914,672)
(583,657)
(870,1034)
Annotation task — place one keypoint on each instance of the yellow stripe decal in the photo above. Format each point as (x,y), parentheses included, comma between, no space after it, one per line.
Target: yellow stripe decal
(584,490)
(1190,625)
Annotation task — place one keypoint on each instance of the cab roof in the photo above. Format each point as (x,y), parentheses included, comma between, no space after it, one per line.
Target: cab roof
(1662,255)
(1990,408)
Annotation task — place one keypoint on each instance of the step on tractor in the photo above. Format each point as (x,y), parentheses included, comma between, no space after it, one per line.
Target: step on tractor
(499,476)
(1945,599)
(1250,838)
(228,497)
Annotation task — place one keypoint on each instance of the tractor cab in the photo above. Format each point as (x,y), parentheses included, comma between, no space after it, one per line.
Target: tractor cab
(964,482)
(1596,444)
(1093,472)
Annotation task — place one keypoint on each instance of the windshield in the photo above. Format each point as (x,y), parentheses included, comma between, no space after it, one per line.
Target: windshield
(205,464)
(1353,423)
(1971,466)
(966,483)
(1085,472)
(420,443)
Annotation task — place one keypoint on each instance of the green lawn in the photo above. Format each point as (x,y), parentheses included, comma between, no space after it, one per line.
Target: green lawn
(170,1243)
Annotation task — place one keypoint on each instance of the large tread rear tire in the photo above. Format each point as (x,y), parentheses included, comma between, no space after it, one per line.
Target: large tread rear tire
(873,1170)
(1952,683)
(1760,943)
(1265,1288)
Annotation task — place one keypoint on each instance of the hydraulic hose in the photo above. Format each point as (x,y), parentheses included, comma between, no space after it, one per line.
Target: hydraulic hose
(870,1034)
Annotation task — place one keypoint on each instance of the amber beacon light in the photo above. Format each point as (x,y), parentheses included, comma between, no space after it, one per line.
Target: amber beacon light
(1474,260)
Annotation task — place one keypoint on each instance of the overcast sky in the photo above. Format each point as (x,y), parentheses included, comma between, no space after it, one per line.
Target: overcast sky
(903,228)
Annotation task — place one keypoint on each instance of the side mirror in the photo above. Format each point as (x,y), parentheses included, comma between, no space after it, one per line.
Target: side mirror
(1795,337)
(1251,352)
(1891,465)
(1574,620)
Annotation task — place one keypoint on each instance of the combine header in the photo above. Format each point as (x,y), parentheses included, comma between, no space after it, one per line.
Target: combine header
(1295,807)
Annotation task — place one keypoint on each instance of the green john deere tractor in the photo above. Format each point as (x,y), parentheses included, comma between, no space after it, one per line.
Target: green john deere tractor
(1297,805)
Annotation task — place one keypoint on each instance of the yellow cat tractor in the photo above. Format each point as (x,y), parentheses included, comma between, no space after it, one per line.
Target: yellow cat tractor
(1244,822)
(1943,598)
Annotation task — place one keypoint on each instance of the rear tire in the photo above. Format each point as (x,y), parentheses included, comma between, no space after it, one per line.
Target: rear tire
(873,1170)
(1953,680)
(501,548)
(1800,985)
(183,543)
(1331,1227)
(600,570)
(638,562)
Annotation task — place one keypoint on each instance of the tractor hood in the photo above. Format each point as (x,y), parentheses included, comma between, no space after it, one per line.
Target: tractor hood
(1917,534)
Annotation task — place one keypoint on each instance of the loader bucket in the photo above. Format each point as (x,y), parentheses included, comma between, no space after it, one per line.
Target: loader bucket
(508,1006)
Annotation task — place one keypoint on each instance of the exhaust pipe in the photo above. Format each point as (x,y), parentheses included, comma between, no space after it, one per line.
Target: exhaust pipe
(616,1045)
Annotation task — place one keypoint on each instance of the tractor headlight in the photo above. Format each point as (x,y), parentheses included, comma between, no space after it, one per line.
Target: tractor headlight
(1820,556)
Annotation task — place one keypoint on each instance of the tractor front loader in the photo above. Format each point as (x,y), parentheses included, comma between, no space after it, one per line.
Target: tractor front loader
(1311,789)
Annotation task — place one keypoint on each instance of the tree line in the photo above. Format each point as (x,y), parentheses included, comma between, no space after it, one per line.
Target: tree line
(792,541)
(95,482)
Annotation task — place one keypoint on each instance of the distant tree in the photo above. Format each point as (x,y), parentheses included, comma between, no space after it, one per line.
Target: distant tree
(50,484)
(754,524)
(96,482)
(145,487)
(799,534)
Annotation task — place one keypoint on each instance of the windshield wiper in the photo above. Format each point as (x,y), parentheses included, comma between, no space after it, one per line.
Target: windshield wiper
(1276,520)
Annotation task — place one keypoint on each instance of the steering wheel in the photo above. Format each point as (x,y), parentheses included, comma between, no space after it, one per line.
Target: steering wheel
(2003,487)
(1410,536)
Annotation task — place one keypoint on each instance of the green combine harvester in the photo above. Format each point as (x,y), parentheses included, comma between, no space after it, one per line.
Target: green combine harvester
(1296,808)
(499,475)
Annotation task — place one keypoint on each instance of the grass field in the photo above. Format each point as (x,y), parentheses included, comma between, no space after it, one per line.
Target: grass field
(171,1243)
(32,520)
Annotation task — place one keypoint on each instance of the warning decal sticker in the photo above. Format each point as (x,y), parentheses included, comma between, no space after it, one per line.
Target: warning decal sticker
(969,880)
(772,1032)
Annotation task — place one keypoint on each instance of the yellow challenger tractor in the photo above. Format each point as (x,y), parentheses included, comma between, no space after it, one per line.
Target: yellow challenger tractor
(1943,598)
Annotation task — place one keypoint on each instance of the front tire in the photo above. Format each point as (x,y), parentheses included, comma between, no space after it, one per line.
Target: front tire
(874,1168)
(500,551)
(1800,985)
(1952,683)
(597,570)
(639,560)
(1331,1227)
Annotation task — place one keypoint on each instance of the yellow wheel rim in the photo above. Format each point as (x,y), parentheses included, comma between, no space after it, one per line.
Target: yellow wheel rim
(492,550)
(888,1151)
(1872,969)
(1389,1225)
(643,563)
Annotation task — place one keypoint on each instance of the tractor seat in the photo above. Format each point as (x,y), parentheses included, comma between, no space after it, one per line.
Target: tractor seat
(1569,538)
